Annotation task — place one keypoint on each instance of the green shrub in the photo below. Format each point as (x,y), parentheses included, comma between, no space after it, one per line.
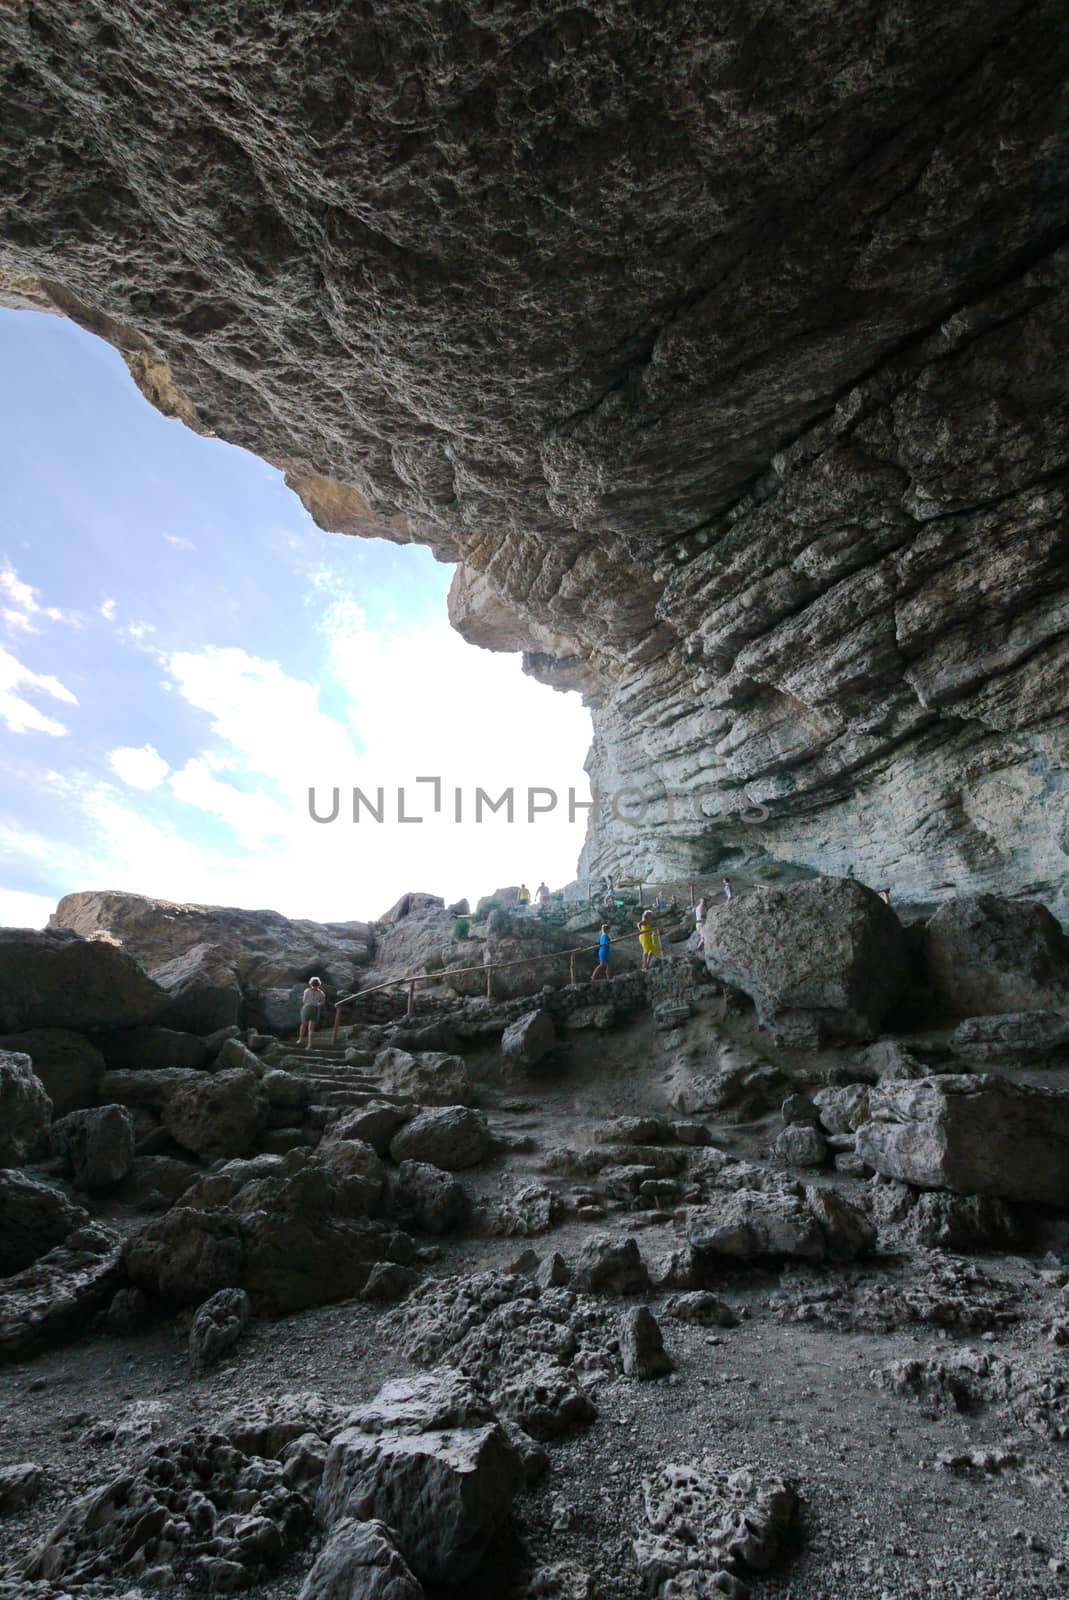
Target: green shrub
(461,928)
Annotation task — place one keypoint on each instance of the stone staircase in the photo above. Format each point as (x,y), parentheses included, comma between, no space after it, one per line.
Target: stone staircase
(334,1082)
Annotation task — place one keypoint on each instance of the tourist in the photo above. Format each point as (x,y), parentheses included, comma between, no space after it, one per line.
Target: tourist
(312,1002)
(604,966)
(523,895)
(700,912)
(647,938)
(542,893)
(609,896)
(728,891)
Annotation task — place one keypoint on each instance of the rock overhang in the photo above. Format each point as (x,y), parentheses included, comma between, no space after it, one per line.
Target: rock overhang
(724,353)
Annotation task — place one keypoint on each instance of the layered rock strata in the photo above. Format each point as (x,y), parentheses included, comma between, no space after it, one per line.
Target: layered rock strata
(723,349)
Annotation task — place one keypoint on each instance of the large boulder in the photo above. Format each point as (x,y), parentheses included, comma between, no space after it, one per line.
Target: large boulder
(780,1221)
(25,1109)
(288,1230)
(428,1198)
(55,979)
(822,960)
(524,963)
(409,903)
(361,1561)
(451,1137)
(975,1134)
(1012,1037)
(34,1218)
(226,945)
(359,1170)
(156,1181)
(59,1293)
(433,1078)
(375,1123)
(148,1090)
(236,1053)
(95,1145)
(986,955)
(152,1047)
(204,989)
(442,1476)
(278,1010)
(527,1040)
(66,1063)
(217,1114)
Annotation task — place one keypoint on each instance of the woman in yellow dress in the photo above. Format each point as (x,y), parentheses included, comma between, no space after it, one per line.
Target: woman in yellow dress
(647,938)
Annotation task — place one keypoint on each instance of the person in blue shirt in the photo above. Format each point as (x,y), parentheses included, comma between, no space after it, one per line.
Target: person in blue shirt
(604,966)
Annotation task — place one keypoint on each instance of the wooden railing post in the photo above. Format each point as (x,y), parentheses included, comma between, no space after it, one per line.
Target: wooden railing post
(337,1019)
(489,982)
(571,967)
(412,998)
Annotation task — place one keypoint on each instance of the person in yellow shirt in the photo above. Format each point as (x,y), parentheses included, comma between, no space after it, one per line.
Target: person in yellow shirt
(647,938)
(523,895)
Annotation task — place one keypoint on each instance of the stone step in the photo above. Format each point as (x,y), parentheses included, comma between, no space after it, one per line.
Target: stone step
(335,1098)
(336,1052)
(301,1063)
(321,1083)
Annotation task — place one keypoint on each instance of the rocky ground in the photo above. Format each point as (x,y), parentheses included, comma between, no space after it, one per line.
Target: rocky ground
(915,1399)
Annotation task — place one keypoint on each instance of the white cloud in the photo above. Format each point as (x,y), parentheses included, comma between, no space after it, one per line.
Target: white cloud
(23,609)
(255,817)
(107,609)
(142,768)
(421,702)
(19,715)
(20,909)
(137,630)
(178,542)
(271,720)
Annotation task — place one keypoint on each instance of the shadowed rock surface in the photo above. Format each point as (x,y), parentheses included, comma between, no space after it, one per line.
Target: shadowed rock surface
(723,348)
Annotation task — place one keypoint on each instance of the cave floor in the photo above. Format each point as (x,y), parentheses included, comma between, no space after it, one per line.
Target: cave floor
(900,1500)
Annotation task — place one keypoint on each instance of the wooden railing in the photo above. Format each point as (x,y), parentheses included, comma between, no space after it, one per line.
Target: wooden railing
(489,968)
(595,889)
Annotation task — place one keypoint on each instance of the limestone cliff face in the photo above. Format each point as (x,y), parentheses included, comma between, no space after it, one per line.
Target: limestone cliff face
(723,346)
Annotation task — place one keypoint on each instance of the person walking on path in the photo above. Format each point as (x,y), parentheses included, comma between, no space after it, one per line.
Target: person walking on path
(728,891)
(604,966)
(523,895)
(542,895)
(609,897)
(647,938)
(312,1002)
(700,911)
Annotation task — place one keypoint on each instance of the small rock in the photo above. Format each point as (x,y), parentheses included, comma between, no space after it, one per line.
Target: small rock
(610,1266)
(388,1280)
(19,1484)
(801,1144)
(702,1308)
(642,1345)
(217,1326)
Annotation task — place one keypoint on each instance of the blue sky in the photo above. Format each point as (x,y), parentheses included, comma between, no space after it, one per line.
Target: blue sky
(183,654)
